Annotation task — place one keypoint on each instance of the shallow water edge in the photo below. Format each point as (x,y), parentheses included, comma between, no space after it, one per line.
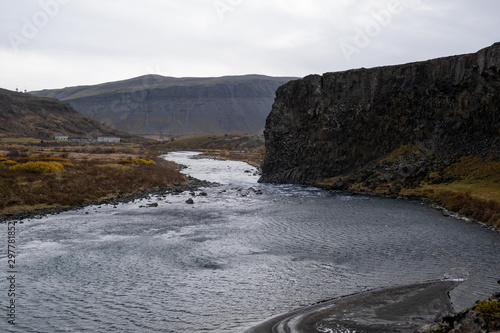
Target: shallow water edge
(402,309)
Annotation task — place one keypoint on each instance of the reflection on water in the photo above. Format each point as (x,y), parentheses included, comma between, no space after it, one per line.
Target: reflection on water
(241,254)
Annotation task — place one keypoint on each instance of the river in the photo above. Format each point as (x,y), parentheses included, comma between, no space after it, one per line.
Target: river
(242,253)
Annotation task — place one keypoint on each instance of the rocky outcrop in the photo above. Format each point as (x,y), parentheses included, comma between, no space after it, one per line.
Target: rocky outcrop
(484,317)
(338,123)
(172,107)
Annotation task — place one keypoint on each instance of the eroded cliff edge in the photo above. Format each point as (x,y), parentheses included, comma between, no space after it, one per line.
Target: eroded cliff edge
(341,123)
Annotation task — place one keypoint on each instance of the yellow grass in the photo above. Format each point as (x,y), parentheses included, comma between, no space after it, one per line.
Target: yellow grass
(90,174)
(39,167)
(404,150)
(20,140)
(480,189)
(473,189)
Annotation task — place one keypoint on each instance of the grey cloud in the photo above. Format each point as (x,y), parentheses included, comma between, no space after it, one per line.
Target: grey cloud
(109,40)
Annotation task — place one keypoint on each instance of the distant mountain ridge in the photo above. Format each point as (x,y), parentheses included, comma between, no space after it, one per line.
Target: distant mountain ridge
(159,105)
(24,115)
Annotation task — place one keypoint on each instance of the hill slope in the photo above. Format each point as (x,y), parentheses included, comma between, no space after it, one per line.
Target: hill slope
(154,104)
(24,115)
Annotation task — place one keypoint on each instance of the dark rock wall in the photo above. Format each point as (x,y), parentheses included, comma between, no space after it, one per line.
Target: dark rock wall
(330,125)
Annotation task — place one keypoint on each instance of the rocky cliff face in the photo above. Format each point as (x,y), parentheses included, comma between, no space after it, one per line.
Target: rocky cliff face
(177,106)
(335,124)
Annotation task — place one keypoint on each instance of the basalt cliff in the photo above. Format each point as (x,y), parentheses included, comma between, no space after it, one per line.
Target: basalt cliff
(355,126)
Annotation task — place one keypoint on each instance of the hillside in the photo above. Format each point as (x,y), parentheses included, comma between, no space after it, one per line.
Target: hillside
(173,107)
(24,115)
(428,129)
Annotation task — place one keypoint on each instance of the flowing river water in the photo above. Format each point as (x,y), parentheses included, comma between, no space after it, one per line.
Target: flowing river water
(242,253)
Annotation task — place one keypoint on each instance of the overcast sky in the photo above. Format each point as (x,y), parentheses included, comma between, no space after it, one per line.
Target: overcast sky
(61,43)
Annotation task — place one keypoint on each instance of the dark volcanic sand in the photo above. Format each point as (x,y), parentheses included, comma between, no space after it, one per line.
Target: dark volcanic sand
(399,309)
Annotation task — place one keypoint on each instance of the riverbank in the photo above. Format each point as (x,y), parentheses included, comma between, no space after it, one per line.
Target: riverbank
(38,178)
(398,309)
(191,185)
(469,186)
(41,177)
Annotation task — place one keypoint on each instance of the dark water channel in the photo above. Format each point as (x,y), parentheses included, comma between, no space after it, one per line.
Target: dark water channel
(241,254)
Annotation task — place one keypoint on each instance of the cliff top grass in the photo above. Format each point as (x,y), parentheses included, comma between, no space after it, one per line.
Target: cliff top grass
(43,177)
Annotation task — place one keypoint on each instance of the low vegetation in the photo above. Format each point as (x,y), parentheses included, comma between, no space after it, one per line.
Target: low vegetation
(251,157)
(404,150)
(40,176)
(39,167)
(469,186)
(489,310)
(228,142)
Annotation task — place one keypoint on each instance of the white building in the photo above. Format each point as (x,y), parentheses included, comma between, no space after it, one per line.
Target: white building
(61,138)
(108,139)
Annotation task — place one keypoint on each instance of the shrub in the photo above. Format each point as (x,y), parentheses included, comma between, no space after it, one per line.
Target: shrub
(124,161)
(39,167)
(489,310)
(8,162)
(144,161)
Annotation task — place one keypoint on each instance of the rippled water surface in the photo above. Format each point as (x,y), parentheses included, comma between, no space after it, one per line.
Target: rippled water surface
(241,254)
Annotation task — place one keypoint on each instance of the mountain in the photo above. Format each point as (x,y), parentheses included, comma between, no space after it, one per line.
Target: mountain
(24,115)
(173,107)
(339,124)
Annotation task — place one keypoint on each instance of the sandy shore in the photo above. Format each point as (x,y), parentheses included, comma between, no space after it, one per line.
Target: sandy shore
(398,309)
